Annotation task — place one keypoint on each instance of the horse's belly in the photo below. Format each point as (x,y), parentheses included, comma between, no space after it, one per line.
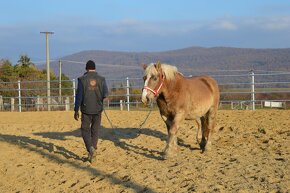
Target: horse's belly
(192,116)
(196,113)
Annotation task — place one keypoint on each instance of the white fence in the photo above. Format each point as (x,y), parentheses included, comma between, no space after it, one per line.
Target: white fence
(246,90)
(31,95)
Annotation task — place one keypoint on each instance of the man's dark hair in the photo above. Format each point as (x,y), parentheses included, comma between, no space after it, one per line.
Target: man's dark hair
(90,65)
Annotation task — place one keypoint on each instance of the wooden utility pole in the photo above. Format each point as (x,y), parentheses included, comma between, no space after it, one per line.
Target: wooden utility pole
(47,68)
(59,84)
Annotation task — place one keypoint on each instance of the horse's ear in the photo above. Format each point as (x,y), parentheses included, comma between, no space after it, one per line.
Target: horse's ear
(144,66)
(158,65)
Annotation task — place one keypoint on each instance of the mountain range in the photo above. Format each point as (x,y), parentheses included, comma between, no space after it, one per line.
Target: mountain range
(192,60)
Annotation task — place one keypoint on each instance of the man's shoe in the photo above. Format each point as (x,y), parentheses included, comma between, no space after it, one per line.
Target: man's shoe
(92,155)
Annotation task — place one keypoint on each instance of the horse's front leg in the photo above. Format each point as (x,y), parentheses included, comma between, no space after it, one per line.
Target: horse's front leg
(168,121)
(172,128)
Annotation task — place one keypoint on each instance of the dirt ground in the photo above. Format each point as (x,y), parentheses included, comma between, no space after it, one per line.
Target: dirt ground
(43,152)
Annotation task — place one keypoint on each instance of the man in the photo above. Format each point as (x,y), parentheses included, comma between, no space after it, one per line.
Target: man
(91,91)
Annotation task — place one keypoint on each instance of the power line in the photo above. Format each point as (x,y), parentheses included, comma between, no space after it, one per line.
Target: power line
(105,65)
(78,62)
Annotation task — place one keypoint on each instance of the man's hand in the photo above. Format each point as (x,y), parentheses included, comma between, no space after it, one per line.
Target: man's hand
(76,115)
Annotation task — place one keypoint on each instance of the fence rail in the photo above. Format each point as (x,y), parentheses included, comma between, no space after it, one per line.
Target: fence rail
(238,91)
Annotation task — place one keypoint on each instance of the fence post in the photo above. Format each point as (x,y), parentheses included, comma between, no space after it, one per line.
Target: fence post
(121,105)
(1,103)
(74,90)
(253,89)
(37,103)
(19,96)
(67,104)
(128,94)
(12,104)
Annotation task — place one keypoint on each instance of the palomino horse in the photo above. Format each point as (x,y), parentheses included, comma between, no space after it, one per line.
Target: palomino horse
(180,98)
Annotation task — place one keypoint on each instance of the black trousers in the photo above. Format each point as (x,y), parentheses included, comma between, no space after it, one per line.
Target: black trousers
(90,129)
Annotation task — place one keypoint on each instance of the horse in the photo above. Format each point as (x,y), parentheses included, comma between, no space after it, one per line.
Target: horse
(179,98)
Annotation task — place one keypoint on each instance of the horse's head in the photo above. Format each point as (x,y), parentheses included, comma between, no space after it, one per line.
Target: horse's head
(153,82)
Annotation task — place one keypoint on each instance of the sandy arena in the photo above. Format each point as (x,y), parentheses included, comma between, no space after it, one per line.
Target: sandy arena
(43,152)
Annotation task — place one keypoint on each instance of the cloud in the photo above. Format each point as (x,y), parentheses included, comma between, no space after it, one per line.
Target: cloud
(277,23)
(224,25)
(266,24)
(78,34)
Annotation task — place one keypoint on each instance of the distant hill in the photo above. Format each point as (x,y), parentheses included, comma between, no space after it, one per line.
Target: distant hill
(193,60)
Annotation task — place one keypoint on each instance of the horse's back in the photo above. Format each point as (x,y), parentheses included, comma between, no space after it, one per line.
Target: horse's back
(204,84)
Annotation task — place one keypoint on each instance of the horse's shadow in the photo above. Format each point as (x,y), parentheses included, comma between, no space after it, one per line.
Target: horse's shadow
(120,137)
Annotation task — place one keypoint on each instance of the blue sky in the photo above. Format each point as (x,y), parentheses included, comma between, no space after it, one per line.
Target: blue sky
(140,25)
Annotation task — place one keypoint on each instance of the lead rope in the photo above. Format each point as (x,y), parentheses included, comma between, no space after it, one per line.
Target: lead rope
(150,111)
(141,125)
(108,119)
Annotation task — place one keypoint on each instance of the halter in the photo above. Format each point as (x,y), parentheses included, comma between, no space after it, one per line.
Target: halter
(155,91)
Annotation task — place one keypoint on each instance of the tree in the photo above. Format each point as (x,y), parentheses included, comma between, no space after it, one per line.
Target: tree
(32,79)
(24,61)
(6,71)
(26,70)
(66,84)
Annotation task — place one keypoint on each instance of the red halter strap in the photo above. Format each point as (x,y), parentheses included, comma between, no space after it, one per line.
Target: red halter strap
(155,91)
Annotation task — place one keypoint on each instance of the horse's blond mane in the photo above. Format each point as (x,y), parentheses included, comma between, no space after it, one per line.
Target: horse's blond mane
(167,69)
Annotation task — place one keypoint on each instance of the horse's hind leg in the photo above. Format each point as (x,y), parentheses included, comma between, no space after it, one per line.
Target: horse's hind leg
(198,130)
(204,129)
(208,124)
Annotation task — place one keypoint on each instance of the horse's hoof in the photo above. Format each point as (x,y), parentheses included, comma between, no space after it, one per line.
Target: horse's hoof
(208,146)
(205,146)
(167,154)
(202,145)
(164,156)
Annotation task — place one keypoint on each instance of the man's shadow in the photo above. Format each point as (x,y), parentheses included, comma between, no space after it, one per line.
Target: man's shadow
(120,136)
(38,146)
(25,141)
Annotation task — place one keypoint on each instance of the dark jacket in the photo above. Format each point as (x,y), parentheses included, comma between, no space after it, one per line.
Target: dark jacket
(91,91)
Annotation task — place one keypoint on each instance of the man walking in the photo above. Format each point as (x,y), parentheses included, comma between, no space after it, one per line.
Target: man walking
(91,91)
